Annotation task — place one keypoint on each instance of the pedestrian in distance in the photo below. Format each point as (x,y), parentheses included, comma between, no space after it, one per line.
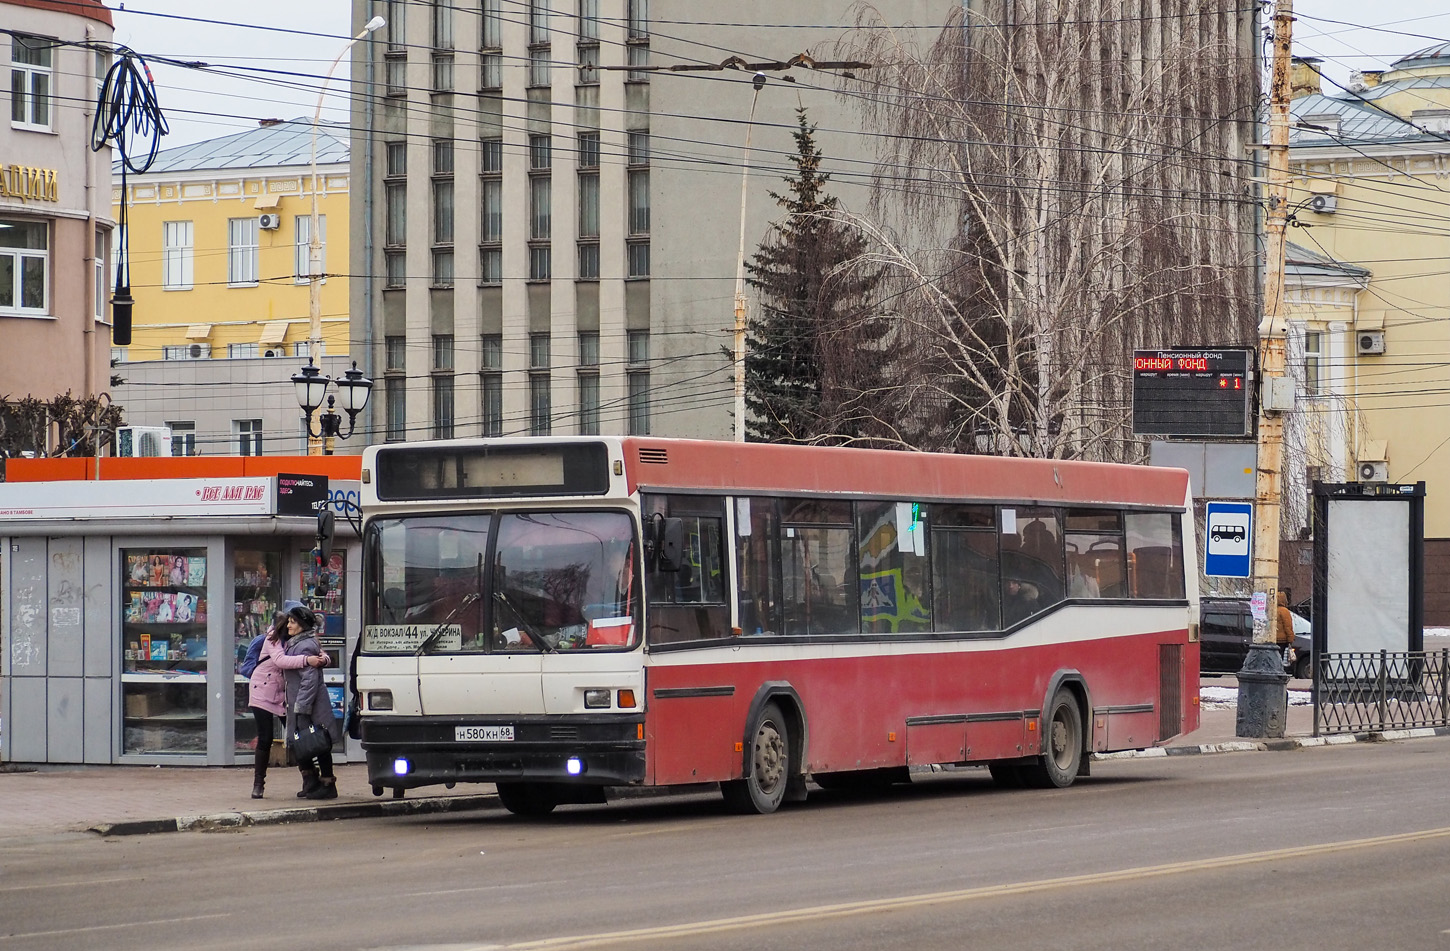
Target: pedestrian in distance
(1284,630)
(307,699)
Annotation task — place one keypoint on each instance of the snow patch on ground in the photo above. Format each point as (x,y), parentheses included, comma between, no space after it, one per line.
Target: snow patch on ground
(1227,698)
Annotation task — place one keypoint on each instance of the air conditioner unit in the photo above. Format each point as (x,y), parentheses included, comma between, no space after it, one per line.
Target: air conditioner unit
(274,352)
(1374,472)
(1369,342)
(1323,204)
(269,222)
(198,351)
(143,441)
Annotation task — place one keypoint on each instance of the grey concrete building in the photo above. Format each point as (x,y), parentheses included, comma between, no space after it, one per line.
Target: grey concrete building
(548,240)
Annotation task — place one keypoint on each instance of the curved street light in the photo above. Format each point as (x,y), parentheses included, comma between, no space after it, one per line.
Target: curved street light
(311,386)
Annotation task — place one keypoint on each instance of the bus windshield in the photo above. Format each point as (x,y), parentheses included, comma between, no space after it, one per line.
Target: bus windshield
(501,582)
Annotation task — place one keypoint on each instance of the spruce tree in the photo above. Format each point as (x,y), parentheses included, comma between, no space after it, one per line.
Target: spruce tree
(815,351)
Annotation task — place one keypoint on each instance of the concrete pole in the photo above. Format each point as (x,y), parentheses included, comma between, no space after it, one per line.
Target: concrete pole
(1263,699)
(757,82)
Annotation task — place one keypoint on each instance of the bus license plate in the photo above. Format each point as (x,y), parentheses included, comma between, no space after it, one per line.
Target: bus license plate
(483,734)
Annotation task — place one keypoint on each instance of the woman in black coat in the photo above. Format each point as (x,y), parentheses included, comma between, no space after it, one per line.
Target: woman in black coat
(307,697)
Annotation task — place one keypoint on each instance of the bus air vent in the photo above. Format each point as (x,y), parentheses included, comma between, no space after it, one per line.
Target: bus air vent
(655,456)
(563,733)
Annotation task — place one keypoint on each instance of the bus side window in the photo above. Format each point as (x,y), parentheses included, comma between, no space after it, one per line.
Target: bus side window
(757,547)
(1155,555)
(893,594)
(818,569)
(689,604)
(1032,562)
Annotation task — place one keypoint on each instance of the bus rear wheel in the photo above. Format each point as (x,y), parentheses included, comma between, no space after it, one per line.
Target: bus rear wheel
(763,789)
(527,799)
(1061,746)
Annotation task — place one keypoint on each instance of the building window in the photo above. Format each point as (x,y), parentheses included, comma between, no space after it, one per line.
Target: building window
(442,72)
(24,267)
(30,82)
(639,204)
(396,197)
(248,435)
(540,410)
(637,370)
(589,383)
(101,276)
(637,40)
(176,255)
(302,237)
(242,252)
(541,205)
(241,351)
(588,50)
(443,213)
(303,348)
(395,398)
(539,43)
(183,437)
(490,43)
(443,407)
(490,251)
(395,353)
(394,268)
(395,55)
(1313,362)
(589,205)
(492,373)
(443,352)
(442,25)
(397,159)
(187,351)
(118,355)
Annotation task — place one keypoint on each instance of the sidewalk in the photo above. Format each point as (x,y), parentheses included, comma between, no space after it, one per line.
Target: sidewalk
(131,800)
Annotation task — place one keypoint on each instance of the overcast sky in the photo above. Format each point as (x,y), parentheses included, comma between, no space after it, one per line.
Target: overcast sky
(204,104)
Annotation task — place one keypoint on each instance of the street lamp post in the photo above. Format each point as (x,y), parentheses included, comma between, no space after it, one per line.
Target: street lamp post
(314,236)
(757,82)
(353,387)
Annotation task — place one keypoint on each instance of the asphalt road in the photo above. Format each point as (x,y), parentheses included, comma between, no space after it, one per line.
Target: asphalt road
(1326,848)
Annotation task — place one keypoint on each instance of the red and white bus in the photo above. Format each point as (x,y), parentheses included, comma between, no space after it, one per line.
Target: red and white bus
(561,615)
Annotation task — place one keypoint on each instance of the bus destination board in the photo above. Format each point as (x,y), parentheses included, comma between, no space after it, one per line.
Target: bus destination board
(1192,393)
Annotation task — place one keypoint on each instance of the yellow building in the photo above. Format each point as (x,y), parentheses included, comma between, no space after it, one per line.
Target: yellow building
(219,234)
(1370,306)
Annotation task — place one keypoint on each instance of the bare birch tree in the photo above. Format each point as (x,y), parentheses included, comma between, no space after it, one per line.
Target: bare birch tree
(1055,189)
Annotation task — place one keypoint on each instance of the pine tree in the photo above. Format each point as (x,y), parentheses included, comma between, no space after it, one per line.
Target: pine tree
(816,350)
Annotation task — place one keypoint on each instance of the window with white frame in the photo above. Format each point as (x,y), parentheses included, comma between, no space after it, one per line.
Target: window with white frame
(303,348)
(101,277)
(302,246)
(118,355)
(247,436)
(31,82)
(183,437)
(24,268)
(176,255)
(242,351)
(1313,362)
(242,252)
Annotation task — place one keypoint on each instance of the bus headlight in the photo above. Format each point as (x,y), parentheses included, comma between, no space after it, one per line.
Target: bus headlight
(380,700)
(596,698)
(574,766)
(401,767)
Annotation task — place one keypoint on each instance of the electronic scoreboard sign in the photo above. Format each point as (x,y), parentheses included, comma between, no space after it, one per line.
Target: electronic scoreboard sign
(1192,393)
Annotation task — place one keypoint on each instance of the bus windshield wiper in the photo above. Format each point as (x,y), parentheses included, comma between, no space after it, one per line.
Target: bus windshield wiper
(437,632)
(538,639)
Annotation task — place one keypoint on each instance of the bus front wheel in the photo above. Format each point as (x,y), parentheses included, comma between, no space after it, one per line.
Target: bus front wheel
(763,789)
(1061,746)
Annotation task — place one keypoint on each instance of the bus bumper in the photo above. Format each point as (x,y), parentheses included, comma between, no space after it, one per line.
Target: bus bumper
(408,752)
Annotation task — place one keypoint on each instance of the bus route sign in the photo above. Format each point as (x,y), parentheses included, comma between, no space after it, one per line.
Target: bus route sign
(1192,393)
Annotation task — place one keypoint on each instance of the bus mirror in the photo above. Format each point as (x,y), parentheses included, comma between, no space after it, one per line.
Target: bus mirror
(326,531)
(670,544)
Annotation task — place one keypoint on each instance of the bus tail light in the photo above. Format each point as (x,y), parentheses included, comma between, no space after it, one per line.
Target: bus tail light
(596,698)
(626,699)
(380,700)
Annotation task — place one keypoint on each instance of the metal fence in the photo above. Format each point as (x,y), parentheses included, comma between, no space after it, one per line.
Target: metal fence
(1388,690)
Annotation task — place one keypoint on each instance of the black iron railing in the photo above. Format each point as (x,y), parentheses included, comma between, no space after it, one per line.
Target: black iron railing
(1388,690)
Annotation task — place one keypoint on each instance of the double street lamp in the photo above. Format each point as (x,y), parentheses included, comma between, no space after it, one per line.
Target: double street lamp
(352,386)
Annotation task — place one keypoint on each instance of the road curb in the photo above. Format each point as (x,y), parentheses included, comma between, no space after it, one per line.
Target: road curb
(350,810)
(1278,745)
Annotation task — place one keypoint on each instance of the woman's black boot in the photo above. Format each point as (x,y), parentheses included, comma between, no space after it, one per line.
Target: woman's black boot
(310,784)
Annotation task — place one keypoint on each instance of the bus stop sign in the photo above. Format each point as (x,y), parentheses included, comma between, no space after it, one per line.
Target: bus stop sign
(1228,535)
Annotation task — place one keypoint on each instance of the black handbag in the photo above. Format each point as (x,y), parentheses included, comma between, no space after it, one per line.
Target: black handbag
(308,739)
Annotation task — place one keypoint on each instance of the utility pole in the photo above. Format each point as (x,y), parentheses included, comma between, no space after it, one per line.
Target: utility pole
(1263,698)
